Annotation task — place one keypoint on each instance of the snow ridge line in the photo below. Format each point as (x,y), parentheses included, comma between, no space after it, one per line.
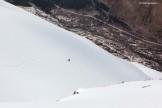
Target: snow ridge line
(121,30)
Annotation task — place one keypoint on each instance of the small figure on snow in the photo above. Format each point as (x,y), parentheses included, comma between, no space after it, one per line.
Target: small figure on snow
(69,60)
(75,92)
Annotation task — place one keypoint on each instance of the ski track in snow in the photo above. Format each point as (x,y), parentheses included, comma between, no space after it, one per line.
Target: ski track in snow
(29,60)
(21,64)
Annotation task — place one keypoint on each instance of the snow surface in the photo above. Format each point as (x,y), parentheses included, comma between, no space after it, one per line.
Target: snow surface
(138,94)
(153,74)
(34,67)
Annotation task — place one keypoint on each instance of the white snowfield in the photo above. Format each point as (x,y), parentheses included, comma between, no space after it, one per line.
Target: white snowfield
(41,63)
(140,94)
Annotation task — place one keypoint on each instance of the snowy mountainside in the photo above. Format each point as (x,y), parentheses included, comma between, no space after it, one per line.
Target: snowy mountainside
(41,63)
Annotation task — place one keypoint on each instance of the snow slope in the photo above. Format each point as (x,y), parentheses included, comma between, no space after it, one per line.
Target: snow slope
(153,74)
(138,94)
(34,64)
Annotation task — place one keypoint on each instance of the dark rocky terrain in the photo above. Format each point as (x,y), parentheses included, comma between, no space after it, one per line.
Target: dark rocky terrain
(146,17)
(109,24)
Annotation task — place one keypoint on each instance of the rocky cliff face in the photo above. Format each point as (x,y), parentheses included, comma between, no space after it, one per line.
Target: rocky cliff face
(145,16)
